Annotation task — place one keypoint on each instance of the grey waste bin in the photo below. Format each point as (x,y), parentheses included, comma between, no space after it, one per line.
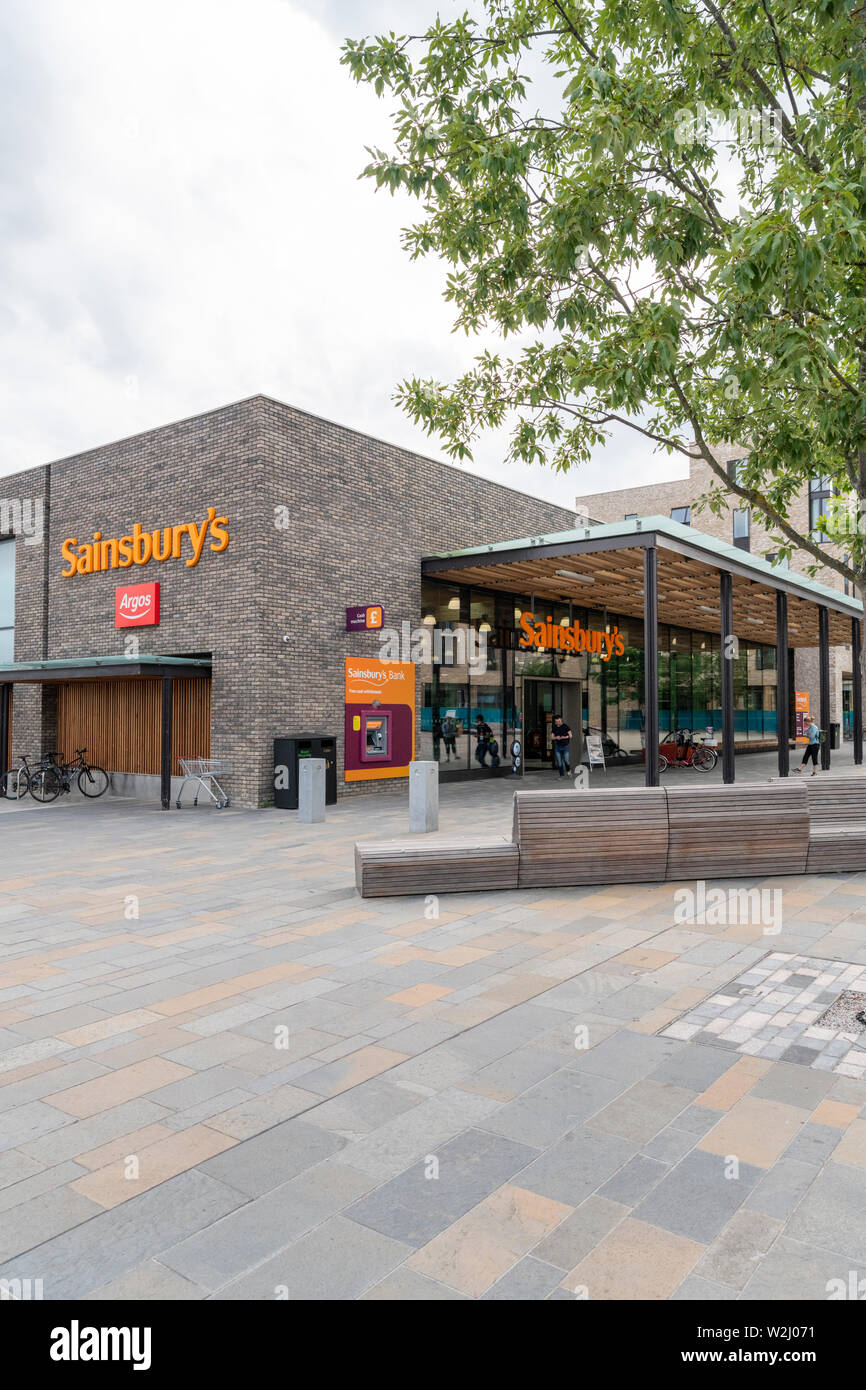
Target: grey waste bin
(287,752)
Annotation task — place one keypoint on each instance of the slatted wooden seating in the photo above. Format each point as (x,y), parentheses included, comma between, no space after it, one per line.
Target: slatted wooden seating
(434,864)
(837,831)
(742,830)
(571,837)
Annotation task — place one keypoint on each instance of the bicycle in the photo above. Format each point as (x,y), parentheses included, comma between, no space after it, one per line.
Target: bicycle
(690,754)
(55,778)
(15,781)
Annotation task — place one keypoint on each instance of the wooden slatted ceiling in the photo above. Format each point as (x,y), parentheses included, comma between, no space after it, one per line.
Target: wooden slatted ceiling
(119,722)
(688,593)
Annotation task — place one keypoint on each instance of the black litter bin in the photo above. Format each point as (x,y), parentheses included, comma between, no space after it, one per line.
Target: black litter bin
(834,735)
(288,753)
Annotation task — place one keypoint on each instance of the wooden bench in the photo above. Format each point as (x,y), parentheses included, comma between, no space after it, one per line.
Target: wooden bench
(837,830)
(567,838)
(434,864)
(745,830)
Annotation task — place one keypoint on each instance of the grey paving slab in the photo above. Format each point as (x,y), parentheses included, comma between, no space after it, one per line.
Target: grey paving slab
(147,1282)
(627,1056)
(694,1068)
(268,1160)
(634,1180)
(697,1290)
(29,1122)
(814,1143)
(96,1252)
(580,1232)
(832,1213)
(338,1260)
(38,1218)
(407,1286)
(783,1186)
(201,1086)
(794,1084)
(670,1144)
(546,1111)
(252,1233)
(736,1251)
(528,1279)
(576,1166)
(696,1199)
(391,1148)
(793,1272)
(431,1194)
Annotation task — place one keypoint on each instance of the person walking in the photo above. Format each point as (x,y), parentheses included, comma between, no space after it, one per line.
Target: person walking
(483,734)
(561,737)
(449,736)
(810,752)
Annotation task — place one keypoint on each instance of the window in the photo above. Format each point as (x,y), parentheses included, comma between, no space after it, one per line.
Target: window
(630,516)
(7,600)
(736,468)
(742,528)
(778,562)
(850,587)
(820,492)
(682,514)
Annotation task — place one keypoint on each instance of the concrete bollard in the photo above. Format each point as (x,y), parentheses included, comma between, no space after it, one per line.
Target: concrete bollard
(423,797)
(311,790)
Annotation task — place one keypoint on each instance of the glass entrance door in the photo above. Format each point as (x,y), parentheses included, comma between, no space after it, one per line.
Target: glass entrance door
(540,703)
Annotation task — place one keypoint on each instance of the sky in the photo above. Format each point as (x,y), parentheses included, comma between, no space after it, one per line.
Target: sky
(182,225)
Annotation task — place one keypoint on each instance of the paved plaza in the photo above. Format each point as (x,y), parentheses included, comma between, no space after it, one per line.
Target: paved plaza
(226,1076)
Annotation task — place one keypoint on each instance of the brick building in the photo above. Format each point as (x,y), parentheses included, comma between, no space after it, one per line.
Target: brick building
(319,518)
(187,592)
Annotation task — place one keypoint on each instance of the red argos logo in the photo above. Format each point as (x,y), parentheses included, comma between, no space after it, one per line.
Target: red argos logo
(136,605)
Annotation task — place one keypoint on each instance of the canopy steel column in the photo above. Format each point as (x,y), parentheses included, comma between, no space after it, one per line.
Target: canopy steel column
(165,751)
(783,714)
(857,688)
(651,664)
(824,681)
(729,643)
(5,707)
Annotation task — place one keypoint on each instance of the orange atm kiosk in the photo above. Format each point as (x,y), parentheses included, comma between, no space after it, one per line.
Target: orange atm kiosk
(380,718)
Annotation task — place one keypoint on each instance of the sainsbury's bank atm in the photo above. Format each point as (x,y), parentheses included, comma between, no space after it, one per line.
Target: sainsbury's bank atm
(375,730)
(380,718)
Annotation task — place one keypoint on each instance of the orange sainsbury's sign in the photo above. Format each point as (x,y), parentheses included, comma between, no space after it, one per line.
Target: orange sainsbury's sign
(184,542)
(571,639)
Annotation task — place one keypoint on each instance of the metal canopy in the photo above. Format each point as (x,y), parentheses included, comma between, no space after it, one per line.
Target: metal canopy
(102,668)
(607,568)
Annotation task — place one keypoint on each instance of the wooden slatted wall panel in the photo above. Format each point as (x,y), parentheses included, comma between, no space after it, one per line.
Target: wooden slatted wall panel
(118,722)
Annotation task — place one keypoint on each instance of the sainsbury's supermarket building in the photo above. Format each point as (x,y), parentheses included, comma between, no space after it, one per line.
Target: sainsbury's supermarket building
(206,587)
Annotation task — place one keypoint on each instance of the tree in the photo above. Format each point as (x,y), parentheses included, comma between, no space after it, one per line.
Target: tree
(679,240)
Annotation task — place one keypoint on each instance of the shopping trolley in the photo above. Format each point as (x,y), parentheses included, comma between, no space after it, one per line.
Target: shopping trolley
(204,771)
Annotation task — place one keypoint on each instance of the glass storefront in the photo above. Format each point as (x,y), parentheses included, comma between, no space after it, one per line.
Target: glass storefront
(518,691)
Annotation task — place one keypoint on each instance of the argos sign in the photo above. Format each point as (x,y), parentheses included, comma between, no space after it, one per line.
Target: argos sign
(137,605)
(184,542)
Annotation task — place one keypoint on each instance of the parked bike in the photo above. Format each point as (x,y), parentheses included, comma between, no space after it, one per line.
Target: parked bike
(687,753)
(15,782)
(56,777)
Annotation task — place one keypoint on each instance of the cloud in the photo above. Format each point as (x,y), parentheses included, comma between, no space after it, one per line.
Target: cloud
(183,226)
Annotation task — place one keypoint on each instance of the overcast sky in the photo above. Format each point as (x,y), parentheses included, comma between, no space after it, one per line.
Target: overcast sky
(182,225)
